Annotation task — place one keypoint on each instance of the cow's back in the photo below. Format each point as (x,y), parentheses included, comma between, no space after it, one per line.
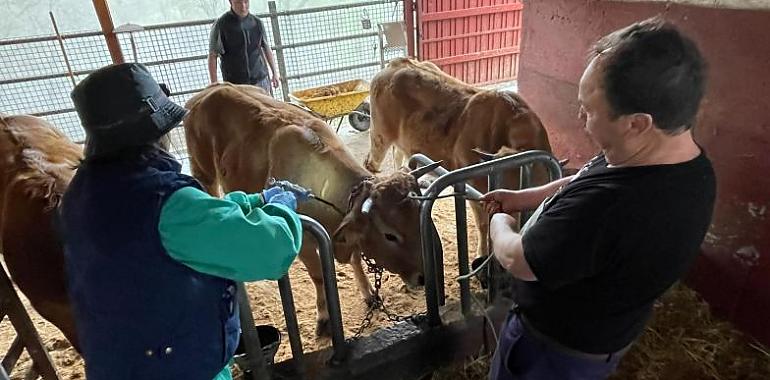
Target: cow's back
(228,131)
(416,105)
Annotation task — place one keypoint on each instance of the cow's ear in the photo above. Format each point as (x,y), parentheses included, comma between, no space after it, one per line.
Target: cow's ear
(348,236)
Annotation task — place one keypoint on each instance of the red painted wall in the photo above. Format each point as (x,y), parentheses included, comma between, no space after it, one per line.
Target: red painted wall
(733,273)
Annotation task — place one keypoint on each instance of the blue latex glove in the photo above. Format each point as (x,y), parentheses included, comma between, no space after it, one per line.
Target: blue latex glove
(268,194)
(285,198)
(302,194)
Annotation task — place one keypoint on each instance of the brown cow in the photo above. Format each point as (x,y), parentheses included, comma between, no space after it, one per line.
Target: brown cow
(420,109)
(238,137)
(38,163)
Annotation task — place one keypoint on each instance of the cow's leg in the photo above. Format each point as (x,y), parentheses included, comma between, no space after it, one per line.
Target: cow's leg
(363,282)
(245,171)
(378,148)
(309,256)
(203,166)
(482,226)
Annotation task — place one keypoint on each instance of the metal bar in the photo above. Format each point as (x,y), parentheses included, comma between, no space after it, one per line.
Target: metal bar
(381,45)
(334,70)
(463,175)
(461,224)
(334,7)
(493,268)
(429,263)
(51,113)
(476,56)
(4,374)
(525,181)
(21,41)
(325,250)
(423,160)
(105,20)
(292,326)
(63,51)
(185,92)
(44,77)
(474,11)
(133,46)
(275,26)
(175,60)
(325,41)
(255,360)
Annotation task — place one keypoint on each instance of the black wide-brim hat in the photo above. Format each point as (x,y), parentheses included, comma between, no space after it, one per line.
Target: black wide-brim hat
(122,106)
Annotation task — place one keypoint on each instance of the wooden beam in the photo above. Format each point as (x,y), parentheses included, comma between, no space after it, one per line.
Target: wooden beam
(105,20)
(12,306)
(409,24)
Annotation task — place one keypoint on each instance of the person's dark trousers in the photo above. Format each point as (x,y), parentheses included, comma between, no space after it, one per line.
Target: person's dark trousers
(521,355)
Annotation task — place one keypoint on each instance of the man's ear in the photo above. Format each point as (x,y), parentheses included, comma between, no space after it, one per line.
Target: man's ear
(640,123)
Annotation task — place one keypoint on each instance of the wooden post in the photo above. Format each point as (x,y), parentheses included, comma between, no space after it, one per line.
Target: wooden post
(105,20)
(410,29)
(11,305)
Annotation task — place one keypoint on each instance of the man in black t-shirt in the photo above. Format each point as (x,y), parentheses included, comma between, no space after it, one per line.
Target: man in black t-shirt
(604,244)
(239,39)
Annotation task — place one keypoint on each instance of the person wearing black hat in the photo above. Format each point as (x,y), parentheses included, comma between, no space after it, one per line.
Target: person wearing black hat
(239,39)
(151,259)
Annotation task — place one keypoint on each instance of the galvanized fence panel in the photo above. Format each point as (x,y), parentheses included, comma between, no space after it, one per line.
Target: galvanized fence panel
(319,46)
(334,44)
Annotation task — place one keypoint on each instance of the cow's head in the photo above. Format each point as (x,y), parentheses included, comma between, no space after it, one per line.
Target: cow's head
(383,223)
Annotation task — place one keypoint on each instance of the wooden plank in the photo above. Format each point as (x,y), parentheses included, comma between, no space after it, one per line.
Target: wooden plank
(485,10)
(21,321)
(13,355)
(476,56)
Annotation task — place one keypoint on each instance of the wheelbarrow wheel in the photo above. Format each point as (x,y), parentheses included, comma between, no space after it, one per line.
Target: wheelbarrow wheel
(360,119)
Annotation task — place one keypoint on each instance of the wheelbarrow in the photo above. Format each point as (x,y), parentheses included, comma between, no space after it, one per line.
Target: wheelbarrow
(336,101)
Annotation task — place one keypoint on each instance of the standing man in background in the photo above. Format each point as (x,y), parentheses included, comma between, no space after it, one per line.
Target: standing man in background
(239,39)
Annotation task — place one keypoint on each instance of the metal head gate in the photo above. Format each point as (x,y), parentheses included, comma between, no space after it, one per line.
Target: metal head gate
(419,346)
(476,41)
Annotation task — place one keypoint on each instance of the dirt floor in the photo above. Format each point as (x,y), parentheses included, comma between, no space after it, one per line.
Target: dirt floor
(699,355)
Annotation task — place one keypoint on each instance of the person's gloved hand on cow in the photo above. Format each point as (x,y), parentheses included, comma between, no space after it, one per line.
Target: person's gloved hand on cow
(276,194)
(286,193)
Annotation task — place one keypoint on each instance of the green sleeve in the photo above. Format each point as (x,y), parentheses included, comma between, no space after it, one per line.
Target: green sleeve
(224,374)
(236,237)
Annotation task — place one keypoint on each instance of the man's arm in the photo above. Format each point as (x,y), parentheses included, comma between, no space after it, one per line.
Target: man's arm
(213,68)
(238,237)
(511,201)
(507,247)
(268,56)
(216,48)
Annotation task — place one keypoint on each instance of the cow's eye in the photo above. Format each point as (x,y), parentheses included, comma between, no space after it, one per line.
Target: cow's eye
(391,237)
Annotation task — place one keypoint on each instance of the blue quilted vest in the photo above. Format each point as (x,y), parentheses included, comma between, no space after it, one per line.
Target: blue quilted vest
(139,313)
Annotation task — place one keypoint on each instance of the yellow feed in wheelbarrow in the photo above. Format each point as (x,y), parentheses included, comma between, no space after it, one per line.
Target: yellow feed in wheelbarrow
(334,100)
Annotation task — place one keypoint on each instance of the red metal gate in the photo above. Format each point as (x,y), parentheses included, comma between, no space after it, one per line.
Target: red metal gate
(477,41)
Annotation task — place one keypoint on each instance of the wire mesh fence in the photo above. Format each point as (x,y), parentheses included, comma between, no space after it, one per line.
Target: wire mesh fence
(319,46)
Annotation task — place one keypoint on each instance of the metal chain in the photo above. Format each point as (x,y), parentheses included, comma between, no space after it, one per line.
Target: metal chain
(378,303)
